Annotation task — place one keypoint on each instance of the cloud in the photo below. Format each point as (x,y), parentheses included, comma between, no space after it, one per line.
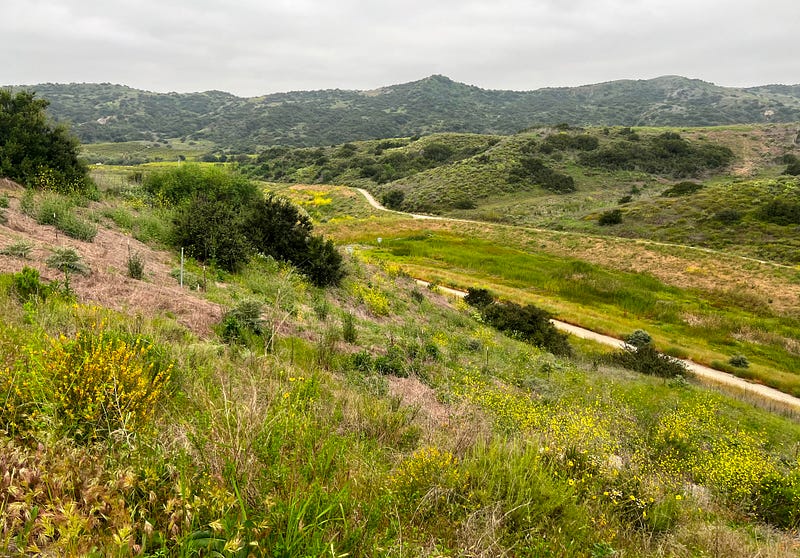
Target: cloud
(253,47)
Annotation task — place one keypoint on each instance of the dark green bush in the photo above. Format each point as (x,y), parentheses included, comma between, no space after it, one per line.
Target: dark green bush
(527,323)
(393,199)
(26,285)
(728,216)
(36,152)
(681,189)
(534,171)
(647,360)
(479,298)
(777,500)
(244,318)
(781,211)
(639,338)
(611,217)
(739,361)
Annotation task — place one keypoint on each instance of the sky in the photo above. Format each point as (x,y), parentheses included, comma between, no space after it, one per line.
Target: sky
(256,47)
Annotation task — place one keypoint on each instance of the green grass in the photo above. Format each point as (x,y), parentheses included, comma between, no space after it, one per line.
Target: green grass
(424,433)
(710,325)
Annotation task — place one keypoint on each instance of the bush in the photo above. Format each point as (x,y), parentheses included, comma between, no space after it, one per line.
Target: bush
(349,331)
(135,266)
(776,500)
(647,360)
(393,199)
(681,189)
(533,170)
(26,285)
(639,338)
(36,152)
(728,216)
(19,249)
(739,361)
(243,319)
(528,323)
(103,385)
(611,217)
(67,260)
(479,298)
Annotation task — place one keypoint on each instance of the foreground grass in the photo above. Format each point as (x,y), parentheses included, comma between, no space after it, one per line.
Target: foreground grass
(309,450)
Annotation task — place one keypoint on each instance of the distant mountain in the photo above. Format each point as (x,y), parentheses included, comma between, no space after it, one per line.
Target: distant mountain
(105,112)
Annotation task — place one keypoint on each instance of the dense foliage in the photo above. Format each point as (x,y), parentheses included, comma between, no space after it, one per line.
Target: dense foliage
(104,112)
(222,218)
(34,151)
(667,154)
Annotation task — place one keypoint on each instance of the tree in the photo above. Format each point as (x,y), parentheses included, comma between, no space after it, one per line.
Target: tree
(36,152)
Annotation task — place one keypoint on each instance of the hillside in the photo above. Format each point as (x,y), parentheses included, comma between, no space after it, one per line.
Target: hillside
(104,112)
(737,195)
(134,423)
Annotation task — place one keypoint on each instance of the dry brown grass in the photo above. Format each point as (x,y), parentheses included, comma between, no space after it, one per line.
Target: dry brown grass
(108,284)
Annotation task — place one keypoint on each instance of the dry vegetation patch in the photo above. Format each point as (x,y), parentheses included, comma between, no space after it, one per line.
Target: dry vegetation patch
(108,284)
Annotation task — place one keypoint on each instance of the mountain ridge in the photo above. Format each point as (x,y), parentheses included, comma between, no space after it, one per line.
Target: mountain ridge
(110,112)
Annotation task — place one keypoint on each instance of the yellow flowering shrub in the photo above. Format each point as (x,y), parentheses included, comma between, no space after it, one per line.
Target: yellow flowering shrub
(429,479)
(103,385)
(693,440)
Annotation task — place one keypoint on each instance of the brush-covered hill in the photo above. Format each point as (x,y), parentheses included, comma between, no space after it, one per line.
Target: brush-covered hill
(731,188)
(105,112)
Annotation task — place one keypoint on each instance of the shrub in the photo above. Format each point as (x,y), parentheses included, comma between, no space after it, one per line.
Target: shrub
(67,260)
(244,318)
(36,152)
(4,202)
(26,285)
(19,249)
(528,323)
(135,266)
(393,199)
(611,217)
(681,189)
(531,169)
(739,361)
(777,500)
(349,332)
(479,298)
(639,338)
(647,360)
(728,216)
(103,385)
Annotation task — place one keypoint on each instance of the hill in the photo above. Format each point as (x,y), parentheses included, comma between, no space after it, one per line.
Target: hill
(105,112)
(145,430)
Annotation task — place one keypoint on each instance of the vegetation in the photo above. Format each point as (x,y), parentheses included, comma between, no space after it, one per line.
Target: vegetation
(112,113)
(35,152)
(222,218)
(288,440)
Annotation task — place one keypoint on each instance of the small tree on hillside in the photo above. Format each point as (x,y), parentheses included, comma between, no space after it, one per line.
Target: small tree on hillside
(36,152)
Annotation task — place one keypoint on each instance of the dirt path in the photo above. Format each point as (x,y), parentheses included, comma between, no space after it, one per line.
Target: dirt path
(704,373)
(374,203)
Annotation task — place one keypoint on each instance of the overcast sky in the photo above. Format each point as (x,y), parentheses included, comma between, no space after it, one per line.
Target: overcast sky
(254,47)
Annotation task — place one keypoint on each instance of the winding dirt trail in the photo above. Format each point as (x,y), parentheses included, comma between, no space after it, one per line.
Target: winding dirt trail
(704,373)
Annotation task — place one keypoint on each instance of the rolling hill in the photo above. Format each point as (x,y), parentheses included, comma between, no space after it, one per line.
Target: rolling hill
(105,112)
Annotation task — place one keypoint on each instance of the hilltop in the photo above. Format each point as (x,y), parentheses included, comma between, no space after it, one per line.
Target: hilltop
(105,112)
